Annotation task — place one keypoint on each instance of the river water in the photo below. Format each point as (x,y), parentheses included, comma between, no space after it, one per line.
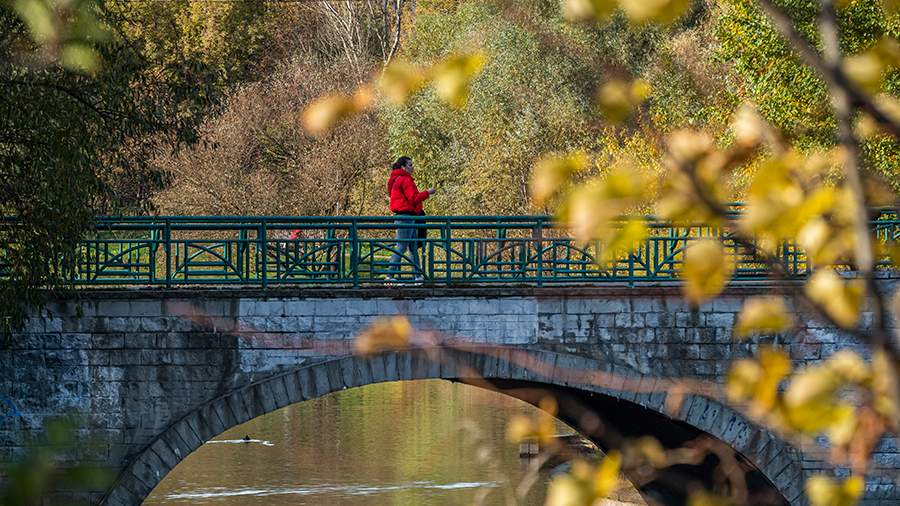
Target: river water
(429,443)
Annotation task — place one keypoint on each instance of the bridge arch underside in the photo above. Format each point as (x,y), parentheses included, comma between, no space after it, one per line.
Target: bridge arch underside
(771,466)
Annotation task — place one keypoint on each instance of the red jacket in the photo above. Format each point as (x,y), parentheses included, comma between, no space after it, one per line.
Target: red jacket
(405,197)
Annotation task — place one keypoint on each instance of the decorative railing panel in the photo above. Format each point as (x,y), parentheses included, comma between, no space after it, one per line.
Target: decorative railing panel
(354,251)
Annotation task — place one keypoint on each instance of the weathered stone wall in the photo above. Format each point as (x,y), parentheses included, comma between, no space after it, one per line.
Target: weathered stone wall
(134,362)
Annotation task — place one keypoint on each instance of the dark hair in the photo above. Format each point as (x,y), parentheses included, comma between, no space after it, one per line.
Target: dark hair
(401,162)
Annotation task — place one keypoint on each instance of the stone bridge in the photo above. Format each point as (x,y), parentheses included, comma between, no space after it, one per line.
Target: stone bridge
(156,373)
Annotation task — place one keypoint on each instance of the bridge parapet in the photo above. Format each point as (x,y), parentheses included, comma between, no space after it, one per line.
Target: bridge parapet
(354,251)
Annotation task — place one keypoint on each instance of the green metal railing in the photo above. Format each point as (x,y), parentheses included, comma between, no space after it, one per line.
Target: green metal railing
(355,251)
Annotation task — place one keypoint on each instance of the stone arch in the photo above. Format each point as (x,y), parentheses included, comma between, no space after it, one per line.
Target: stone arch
(777,461)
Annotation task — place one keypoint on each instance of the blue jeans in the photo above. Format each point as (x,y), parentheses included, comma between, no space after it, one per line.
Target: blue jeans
(406,241)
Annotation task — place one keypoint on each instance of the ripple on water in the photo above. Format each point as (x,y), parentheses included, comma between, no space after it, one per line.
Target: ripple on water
(241,441)
(347,489)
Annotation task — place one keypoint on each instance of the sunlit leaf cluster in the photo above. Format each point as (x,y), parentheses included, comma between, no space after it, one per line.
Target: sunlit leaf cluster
(451,79)
(842,398)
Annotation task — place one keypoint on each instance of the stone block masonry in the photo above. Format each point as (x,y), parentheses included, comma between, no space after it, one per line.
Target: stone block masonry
(134,364)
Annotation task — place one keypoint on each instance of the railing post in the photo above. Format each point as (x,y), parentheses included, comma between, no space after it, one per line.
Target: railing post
(167,240)
(447,255)
(354,253)
(539,241)
(264,251)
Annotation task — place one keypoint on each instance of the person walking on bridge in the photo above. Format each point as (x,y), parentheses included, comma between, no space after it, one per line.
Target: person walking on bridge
(405,202)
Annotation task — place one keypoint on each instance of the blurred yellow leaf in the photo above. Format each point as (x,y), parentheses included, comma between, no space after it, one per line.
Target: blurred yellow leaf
(565,490)
(763,315)
(614,100)
(617,98)
(587,10)
(651,450)
(824,491)
(748,126)
(80,57)
(585,213)
(777,205)
(687,146)
(890,7)
(552,172)
(823,244)
(707,269)
(703,498)
(624,238)
(323,114)
(38,17)
(541,428)
(452,77)
(850,366)
(606,478)
(400,80)
(593,207)
(868,69)
(885,387)
(757,380)
(867,127)
(385,334)
(586,484)
(810,385)
(812,405)
(658,11)
(841,299)
(843,425)
(520,427)
(640,91)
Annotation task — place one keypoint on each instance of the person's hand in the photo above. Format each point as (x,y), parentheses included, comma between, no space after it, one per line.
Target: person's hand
(431,191)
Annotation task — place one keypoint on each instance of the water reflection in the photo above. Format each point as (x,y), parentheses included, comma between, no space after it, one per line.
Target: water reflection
(406,443)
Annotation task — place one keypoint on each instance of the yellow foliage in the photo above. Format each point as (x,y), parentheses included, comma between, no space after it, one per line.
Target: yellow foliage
(385,334)
(811,405)
(707,269)
(891,7)
(841,299)
(824,491)
(763,315)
